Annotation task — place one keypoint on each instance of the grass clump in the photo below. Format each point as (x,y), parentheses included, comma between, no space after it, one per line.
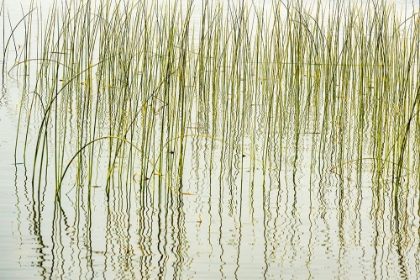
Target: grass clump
(124,86)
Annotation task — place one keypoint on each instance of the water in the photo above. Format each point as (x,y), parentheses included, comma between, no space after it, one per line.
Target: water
(303,221)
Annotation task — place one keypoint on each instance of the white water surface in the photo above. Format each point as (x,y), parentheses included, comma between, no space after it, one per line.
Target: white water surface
(290,236)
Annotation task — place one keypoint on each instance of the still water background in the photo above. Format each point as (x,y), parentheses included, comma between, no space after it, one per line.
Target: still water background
(303,224)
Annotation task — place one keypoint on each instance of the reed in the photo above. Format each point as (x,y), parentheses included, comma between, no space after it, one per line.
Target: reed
(121,85)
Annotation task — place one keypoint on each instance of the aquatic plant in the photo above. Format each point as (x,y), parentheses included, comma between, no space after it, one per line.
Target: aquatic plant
(120,90)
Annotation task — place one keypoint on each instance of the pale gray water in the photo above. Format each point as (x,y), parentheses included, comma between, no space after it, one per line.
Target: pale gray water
(300,224)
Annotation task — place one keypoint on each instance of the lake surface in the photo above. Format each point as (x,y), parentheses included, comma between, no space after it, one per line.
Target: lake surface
(300,204)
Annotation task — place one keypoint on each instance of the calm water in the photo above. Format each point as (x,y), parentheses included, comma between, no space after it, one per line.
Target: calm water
(302,221)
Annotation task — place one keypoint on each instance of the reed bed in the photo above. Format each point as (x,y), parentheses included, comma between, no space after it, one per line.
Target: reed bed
(121,89)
